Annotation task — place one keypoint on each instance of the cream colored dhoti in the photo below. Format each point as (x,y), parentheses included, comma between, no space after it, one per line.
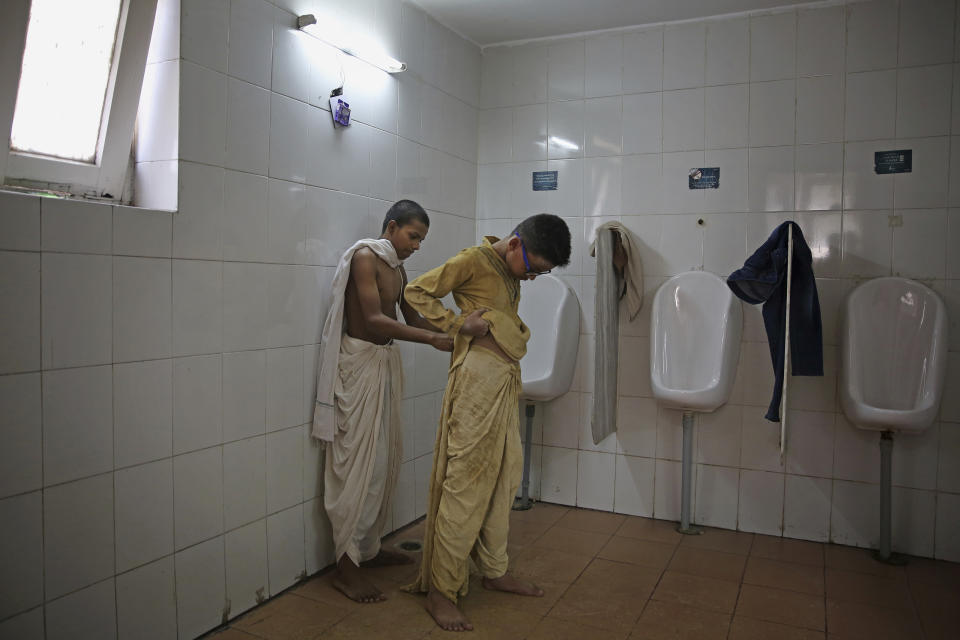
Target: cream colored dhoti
(477,466)
(363,460)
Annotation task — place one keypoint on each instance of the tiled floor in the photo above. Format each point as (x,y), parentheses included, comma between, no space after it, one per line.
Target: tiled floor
(608,576)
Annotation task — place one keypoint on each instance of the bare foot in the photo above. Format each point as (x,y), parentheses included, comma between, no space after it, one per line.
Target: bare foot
(445,613)
(510,584)
(386,559)
(351,583)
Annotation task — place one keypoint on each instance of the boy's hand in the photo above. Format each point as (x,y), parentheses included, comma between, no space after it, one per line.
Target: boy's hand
(442,342)
(475,325)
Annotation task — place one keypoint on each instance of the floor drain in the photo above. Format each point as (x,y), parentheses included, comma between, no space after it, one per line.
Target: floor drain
(411,545)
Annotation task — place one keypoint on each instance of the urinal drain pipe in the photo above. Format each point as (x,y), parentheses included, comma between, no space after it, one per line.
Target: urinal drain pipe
(524,502)
(687,471)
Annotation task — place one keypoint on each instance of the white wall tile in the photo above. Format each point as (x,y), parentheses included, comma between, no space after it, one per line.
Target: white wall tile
(20,295)
(197,406)
(197,307)
(248,127)
(728,50)
(667,490)
(772,117)
(771,180)
(871,105)
(724,242)
(948,478)
(602,186)
(948,518)
(292,59)
(197,496)
(684,57)
(288,145)
(819,178)
(820,41)
(565,133)
(197,225)
(319,539)
(676,196)
(244,482)
(925,36)
(559,475)
(642,123)
(915,460)
(19,222)
(603,135)
(88,613)
(913,522)
(806,509)
(926,185)
(565,75)
(75,226)
(244,306)
(143,513)
(285,548)
(718,436)
(919,249)
(284,469)
(637,426)
(529,133)
(820,109)
(21,460)
(595,480)
(530,68)
(717,491)
(923,101)
(862,188)
(773,40)
(201,588)
(810,434)
(141,309)
(146,601)
(203,114)
(244,394)
(141,232)
(246,565)
(142,412)
(732,192)
(77,534)
(643,60)
(760,438)
(683,120)
(77,423)
(727,109)
(870,29)
(21,553)
(603,65)
(204,29)
(761,502)
(494,135)
(251,41)
(634,481)
(76,311)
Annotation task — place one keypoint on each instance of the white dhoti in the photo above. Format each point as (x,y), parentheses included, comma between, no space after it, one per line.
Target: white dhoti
(363,461)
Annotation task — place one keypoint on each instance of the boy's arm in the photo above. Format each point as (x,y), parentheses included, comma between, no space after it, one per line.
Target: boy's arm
(424,294)
(363,271)
(410,314)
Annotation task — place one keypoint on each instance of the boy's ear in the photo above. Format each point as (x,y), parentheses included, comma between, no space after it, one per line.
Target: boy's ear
(391,227)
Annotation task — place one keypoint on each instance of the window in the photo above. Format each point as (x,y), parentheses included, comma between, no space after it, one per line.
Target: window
(74,71)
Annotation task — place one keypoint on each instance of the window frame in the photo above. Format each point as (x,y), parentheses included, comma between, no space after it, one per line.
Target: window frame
(107,177)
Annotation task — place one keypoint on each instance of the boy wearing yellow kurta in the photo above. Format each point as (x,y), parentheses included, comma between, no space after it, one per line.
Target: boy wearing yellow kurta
(477,459)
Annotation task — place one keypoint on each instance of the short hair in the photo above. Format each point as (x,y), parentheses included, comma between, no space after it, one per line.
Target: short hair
(404,211)
(547,236)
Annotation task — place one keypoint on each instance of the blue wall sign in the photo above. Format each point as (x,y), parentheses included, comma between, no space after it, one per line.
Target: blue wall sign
(704,178)
(898,161)
(544,180)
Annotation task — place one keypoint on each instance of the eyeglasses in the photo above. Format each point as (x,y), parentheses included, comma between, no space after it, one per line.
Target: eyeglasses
(526,260)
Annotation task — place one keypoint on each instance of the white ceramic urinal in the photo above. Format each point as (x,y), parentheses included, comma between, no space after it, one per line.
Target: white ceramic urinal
(893,361)
(550,308)
(694,342)
(695,328)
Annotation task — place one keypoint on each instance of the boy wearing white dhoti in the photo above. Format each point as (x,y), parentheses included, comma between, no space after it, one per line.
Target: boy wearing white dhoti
(359,391)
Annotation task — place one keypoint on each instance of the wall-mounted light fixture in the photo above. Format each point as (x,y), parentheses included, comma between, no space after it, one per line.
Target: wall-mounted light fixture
(308,23)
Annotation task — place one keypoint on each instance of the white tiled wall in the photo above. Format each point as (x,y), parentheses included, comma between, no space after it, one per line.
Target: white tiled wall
(156,471)
(790,105)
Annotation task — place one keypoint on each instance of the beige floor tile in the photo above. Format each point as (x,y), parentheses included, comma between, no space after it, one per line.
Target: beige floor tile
(859,560)
(868,589)
(549,565)
(603,609)
(495,623)
(720,540)
(750,629)
(290,617)
(788,550)
(939,610)
(400,618)
(786,607)
(617,578)
(541,513)
(696,591)
(784,575)
(589,520)
(480,597)
(939,572)
(650,529)
(666,620)
(709,564)
(559,629)
(572,541)
(635,551)
(229,634)
(862,621)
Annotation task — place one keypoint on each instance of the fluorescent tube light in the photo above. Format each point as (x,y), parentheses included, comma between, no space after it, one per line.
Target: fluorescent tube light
(308,24)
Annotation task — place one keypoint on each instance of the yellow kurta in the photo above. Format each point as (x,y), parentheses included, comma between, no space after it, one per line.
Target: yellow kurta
(477,457)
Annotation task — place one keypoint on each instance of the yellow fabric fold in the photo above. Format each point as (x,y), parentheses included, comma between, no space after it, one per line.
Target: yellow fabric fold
(477,467)
(478,279)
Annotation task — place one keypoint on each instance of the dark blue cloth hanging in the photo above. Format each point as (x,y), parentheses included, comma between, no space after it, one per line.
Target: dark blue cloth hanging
(762,279)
